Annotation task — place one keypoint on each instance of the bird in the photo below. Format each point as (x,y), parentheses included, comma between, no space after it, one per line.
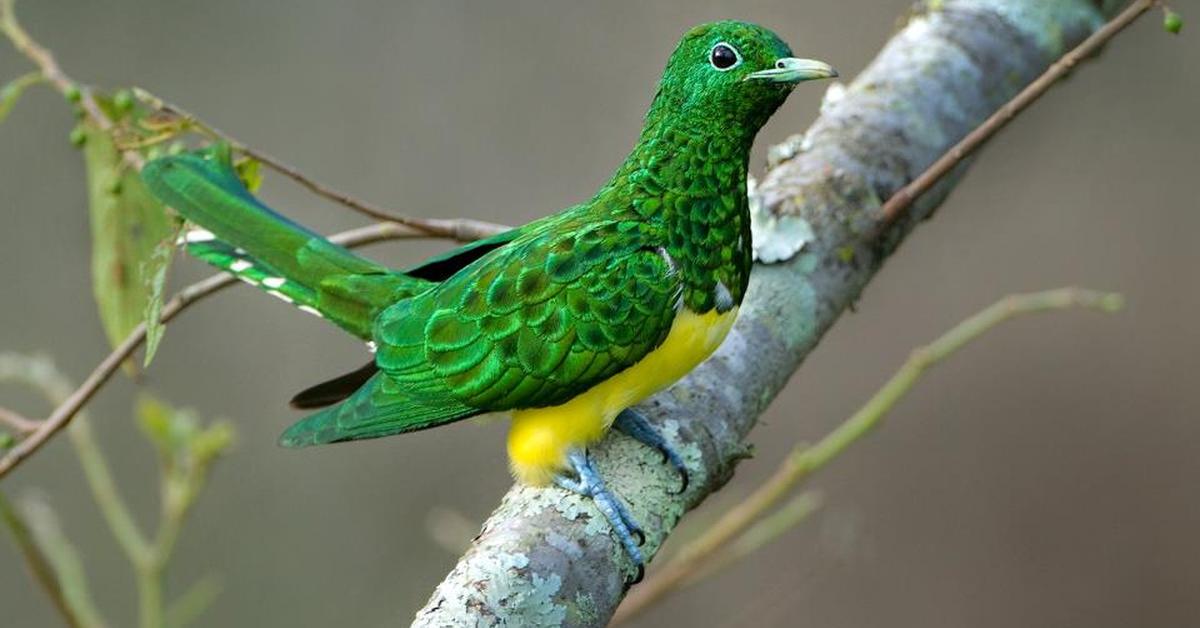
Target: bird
(565,322)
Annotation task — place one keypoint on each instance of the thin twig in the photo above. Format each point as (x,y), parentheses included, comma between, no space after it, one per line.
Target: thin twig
(397,227)
(803,460)
(183,477)
(39,566)
(460,229)
(176,304)
(46,531)
(104,489)
(761,533)
(41,374)
(16,422)
(899,202)
(45,61)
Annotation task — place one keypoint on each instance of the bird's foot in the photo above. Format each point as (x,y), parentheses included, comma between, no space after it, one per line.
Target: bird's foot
(642,430)
(587,482)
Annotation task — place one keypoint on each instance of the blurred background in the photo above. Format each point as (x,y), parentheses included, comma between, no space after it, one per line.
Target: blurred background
(1044,476)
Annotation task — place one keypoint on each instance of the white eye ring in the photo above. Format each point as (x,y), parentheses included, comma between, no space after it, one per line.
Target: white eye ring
(712,56)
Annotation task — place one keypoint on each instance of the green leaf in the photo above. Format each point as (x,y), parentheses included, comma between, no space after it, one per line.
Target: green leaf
(178,434)
(127,224)
(12,91)
(249,170)
(155,420)
(162,425)
(155,272)
(213,441)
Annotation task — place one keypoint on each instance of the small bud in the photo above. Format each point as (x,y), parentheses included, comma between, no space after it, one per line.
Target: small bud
(6,440)
(78,137)
(123,100)
(1172,22)
(72,93)
(114,186)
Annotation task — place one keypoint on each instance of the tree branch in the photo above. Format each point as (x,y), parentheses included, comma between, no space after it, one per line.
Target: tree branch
(547,557)
(733,534)
(903,199)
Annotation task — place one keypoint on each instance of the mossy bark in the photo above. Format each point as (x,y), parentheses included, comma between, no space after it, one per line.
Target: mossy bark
(546,557)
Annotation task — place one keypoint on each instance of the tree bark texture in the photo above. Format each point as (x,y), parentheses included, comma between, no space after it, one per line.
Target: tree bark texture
(547,557)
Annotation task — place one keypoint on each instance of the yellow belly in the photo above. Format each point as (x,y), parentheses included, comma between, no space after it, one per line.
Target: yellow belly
(540,438)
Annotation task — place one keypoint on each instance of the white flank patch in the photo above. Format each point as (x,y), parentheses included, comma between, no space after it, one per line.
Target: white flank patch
(240,266)
(199,235)
(280,295)
(371,346)
(274,282)
(312,310)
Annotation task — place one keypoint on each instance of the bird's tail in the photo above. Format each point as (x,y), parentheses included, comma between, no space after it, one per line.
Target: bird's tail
(238,233)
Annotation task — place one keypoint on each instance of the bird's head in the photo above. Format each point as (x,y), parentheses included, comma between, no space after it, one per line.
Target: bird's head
(732,73)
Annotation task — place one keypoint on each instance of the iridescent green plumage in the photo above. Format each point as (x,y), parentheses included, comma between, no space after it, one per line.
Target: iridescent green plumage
(538,315)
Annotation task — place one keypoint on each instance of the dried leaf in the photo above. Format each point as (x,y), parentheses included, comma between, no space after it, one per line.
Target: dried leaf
(127,224)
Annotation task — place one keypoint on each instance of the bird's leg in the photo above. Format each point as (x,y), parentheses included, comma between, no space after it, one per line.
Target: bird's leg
(640,429)
(589,484)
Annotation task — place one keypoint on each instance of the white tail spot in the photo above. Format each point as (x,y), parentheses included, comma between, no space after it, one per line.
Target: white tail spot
(199,235)
(274,282)
(311,310)
(371,346)
(240,266)
(280,295)
(248,280)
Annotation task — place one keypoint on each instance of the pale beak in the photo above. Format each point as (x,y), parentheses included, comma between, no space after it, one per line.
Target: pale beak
(792,70)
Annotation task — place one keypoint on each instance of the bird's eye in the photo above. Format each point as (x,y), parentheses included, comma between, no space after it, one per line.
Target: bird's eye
(724,57)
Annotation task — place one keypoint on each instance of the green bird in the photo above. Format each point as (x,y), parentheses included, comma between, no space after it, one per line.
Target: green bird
(565,322)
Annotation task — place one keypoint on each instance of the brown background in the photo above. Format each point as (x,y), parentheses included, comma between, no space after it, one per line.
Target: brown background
(1045,477)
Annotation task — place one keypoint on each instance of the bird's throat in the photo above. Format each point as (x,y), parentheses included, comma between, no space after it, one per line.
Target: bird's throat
(691,180)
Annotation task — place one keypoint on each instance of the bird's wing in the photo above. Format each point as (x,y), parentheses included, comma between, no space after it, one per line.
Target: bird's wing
(382,407)
(536,322)
(444,265)
(530,324)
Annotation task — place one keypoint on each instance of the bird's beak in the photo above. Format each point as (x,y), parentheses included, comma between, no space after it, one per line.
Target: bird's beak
(792,70)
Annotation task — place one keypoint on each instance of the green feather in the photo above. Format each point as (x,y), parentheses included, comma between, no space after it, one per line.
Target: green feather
(379,408)
(284,258)
(537,315)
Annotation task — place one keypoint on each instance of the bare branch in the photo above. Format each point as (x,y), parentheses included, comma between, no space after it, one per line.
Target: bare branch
(36,562)
(455,229)
(16,422)
(804,460)
(903,199)
(541,558)
(461,229)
